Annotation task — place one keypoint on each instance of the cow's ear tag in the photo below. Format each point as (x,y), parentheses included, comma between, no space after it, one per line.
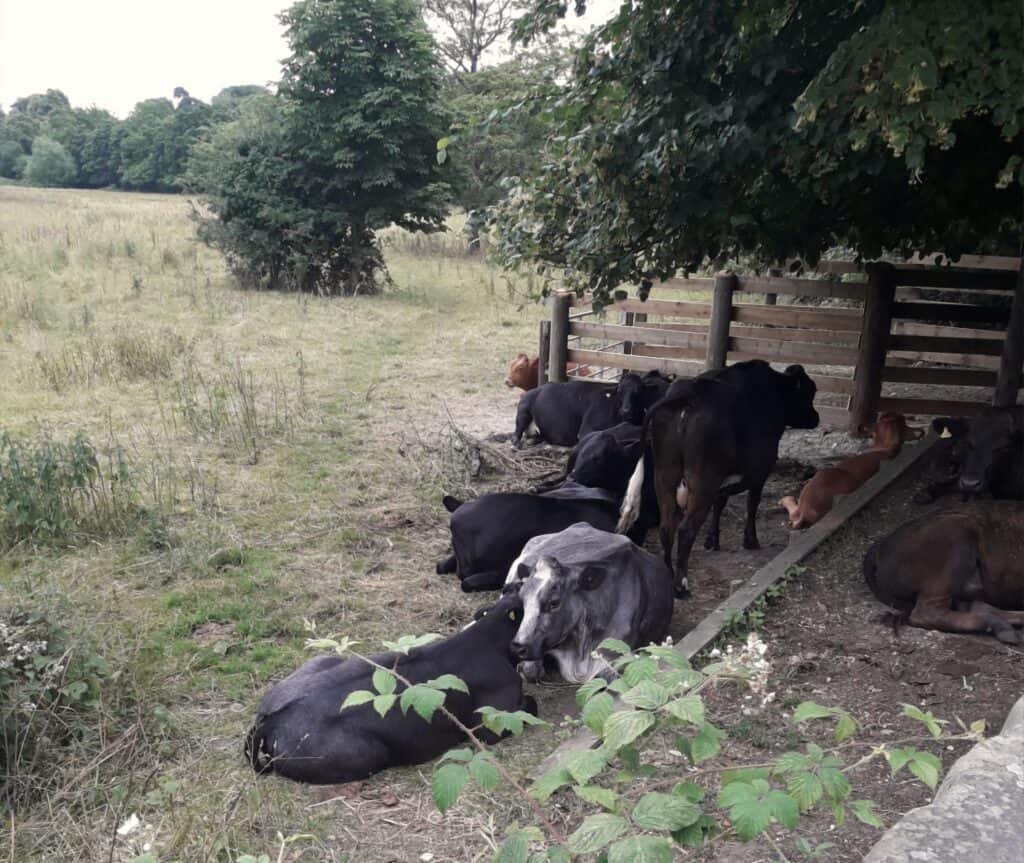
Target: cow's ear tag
(945,432)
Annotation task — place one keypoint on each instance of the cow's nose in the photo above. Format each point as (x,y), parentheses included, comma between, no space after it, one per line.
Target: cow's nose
(970,484)
(518,650)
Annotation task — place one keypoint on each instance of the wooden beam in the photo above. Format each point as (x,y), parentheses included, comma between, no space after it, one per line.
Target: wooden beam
(833,416)
(844,320)
(932,407)
(645,335)
(636,362)
(910,328)
(1012,357)
(938,377)
(802,287)
(960,312)
(721,315)
(671,308)
(946,345)
(793,352)
(916,276)
(832,384)
(559,340)
(874,342)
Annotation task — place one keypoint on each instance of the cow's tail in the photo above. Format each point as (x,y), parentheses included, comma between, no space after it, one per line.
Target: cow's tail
(256,749)
(630,509)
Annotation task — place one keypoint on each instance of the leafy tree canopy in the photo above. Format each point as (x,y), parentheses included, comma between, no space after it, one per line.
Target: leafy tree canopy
(468,28)
(50,164)
(707,129)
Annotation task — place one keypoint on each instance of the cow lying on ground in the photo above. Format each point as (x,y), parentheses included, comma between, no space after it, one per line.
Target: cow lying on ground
(580,587)
(713,437)
(523,372)
(983,455)
(301,733)
(564,412)
(957,570)
(819,492)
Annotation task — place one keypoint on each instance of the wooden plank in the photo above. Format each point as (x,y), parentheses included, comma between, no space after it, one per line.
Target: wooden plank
(671,353)
(671,308)
(983,262)
(845,320)
(946,345)
(962,312)
(974,361)
(931,407)
(636,362)
(939,377)
(909,328)
(917,276)
(793,352)
(802,544)
(833,416)
(802,287)
(1012,359)
(831,384)
(787,334)
(682,284)
(645,335)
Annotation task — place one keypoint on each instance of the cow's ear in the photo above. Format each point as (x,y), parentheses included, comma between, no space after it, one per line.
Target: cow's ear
(592,577)
(523,572)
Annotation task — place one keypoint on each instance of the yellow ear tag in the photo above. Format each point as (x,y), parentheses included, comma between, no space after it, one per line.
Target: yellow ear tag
(511,615)
(945,432)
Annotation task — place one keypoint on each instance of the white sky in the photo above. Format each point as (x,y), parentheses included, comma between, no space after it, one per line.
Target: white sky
(114,53)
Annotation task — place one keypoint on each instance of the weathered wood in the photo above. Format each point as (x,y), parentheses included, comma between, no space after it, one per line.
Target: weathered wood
(874,342)
(938,377)
(932,407)
(696,284)
(946,345)
(832,415)
(961,312)
(543,352)
(787,334)
(772,299)
(671,308)
(974,361)
(636,362)
(649,335)
(983,262)
(802,287)
(832,384)
(843,320)
(644,350)
(793,352)
(721,315)
(918,276)
(801,546)
(626,319)
(1012,357)
(559,341)
(910,328)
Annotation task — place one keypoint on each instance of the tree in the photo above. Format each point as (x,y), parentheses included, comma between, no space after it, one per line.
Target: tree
(12,160)
(701,130)
(145,141)
(470,28)
(347,148)
(226,103)
(50,164)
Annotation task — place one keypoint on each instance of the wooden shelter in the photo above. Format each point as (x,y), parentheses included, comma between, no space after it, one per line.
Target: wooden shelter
(874,337)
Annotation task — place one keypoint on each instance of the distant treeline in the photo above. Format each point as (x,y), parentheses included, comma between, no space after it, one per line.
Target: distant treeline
(44,141)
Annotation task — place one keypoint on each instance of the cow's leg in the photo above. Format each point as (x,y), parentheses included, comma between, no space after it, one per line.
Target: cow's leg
(1015,618)
(936,613)
(666,483)
(490,580)
(753,501)
(448,565)
(524,416)
(711,540)
(697,508)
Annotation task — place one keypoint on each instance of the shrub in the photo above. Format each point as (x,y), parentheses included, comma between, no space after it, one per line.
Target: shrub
(50,164)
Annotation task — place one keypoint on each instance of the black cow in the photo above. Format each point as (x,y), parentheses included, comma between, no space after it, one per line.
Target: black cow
(301,733)
(711,438)
(564,412)
(983,455)
(488,533)
(580,587)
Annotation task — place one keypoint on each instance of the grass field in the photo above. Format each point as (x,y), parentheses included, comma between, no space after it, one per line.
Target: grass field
(266,459)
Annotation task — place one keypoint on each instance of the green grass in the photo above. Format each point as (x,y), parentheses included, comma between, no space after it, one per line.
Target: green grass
(305,432)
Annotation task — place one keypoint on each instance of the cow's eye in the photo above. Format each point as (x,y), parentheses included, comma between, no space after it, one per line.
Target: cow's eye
(554,605)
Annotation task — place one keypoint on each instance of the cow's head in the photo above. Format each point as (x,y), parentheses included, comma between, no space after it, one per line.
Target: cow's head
(554,601)
(891,431)
(993,440)
(798,399)
(602,461)
(630,395)
(518,374)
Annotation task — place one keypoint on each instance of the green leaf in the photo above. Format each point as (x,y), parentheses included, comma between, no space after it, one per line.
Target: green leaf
(641,849)
(482,769)
(696,834)
(647,695)
(748,808)
(864,810)
(809,710)
(383,703)
(625,726)
(447,784)
(705,743)
(657,811)
(515,850)
(926,767)
(448,681)
(442,156)
(549,783)
(667,655)
(462,755)
(690,790)
(596,711)
(589,689)
(360,696)
(557,854)
(928,719)
(500,721)
(834,783)
(423,700)
(442,143)
(614,645)
(409,642)
(783,809)
(689,708)
(846,727)
(384,681)
(604,797)
(640,669)
(897,758)
(596,832)
(585,765)
(805,788)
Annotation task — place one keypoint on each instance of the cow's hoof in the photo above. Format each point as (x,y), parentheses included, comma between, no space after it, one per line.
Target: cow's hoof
(680,591)
(711,543)
(1009,635)
(751,544)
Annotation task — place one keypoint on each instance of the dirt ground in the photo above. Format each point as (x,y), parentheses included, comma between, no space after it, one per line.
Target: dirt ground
(828,642)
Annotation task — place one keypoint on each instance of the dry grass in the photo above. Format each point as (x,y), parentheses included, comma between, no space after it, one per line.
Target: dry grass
(313,436)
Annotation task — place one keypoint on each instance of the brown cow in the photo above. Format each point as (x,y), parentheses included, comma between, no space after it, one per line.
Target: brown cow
(523,372)
(820,491)
(957,570)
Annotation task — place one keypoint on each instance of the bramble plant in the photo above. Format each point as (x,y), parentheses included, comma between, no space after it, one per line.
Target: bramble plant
(655,697)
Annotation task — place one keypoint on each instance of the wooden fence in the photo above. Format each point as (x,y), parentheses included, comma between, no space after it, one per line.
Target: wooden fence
(894,327)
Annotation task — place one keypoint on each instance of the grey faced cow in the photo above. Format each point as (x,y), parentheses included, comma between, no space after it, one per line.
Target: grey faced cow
(578,588)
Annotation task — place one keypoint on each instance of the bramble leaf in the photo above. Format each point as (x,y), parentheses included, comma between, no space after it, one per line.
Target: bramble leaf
(447,784)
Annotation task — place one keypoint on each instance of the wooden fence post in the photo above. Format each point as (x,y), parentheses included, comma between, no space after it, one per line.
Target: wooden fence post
(874,344)
(772,299)
(721,316)
(1010,363)
(559,338)
(543,349)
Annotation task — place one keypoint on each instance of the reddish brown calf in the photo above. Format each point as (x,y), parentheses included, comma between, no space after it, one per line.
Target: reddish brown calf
(523,372)
(821,490)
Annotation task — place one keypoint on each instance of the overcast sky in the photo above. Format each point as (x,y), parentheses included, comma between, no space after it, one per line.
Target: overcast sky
(114,53)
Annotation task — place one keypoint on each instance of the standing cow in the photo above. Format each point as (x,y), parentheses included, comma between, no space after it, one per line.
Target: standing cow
(711,438)
(580,587)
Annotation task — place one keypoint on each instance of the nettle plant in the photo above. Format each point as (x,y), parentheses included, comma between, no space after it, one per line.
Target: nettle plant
(652,705)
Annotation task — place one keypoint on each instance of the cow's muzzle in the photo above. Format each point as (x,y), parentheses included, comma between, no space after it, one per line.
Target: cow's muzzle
(525,652)
(970,485)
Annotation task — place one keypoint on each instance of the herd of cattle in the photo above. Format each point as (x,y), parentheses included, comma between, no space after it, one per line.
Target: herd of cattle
(567,556)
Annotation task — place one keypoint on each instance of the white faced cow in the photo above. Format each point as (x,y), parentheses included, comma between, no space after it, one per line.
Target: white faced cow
(578,588)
